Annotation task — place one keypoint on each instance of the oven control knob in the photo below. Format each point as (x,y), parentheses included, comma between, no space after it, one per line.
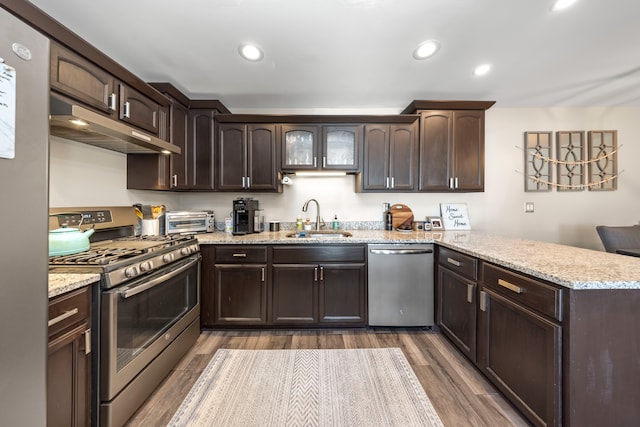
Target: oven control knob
(131,271)
(146,266)
(167,257)
(185,251)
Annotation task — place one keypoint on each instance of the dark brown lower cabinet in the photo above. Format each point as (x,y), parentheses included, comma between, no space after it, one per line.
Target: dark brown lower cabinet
(234,285)
(322,285)
(295,294)
(458,310)
(520,352)
(342,294)
(284,285)
(69,360)
(241,294)
(319,294)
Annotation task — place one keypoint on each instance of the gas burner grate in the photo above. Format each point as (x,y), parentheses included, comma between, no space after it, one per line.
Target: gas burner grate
(103,256)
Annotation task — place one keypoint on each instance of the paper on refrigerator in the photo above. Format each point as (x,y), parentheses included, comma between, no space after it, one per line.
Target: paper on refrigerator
(7,111)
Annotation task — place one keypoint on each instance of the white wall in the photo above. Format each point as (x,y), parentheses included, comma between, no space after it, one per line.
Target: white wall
(88,176)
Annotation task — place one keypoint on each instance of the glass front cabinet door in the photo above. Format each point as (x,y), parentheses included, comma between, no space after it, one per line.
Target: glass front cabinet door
(340,147)
(319,147)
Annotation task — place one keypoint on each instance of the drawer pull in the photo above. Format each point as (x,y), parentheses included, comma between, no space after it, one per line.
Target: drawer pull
(454,262)
(484,301)
(510,286)
(62,317)
(87,341)
(240,255)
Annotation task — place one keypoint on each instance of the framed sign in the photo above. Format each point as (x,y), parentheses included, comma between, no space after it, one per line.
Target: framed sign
(455,216)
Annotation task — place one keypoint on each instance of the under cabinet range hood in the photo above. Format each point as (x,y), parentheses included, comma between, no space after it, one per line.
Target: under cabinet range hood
(74,122)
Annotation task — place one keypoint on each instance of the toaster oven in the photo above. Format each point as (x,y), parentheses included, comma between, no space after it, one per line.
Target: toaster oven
(183,222)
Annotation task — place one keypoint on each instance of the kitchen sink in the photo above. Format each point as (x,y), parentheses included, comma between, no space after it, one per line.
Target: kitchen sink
(322,234)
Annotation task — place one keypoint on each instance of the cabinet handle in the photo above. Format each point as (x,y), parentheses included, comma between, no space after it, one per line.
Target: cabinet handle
(262,274)
(470,289)
(62,317)
(515,288)
(451,183)
(87,341)
(127,110)
(315,274)
(393,182)
(324,161)
(248,182)
(387,185)
(484,301)
(455,182)
(174,181)
(454,262)
(244,179)
(240,255)
(112,102)
(315,161)
(321,274)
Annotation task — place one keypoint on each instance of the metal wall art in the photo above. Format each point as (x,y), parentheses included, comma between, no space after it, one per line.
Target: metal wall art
(537,167)
(603,160)
(573,158)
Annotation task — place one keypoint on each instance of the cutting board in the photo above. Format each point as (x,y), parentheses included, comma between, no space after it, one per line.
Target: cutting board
(401,217)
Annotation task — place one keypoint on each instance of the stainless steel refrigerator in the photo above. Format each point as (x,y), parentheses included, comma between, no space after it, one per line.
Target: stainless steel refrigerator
(24,152)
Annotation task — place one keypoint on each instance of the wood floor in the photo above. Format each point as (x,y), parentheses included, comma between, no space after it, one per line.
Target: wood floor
(459,393)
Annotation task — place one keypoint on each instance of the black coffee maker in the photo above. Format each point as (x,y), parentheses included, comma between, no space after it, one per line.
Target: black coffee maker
(245,212)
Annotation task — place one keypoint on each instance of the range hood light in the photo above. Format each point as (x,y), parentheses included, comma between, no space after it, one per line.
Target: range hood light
(166,152)
(79,122)
(74,122)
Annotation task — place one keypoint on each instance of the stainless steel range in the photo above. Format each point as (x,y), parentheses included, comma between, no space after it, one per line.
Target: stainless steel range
(147,313)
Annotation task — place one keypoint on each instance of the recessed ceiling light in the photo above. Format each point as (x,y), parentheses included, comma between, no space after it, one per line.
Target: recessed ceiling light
(250,52)
(562,4)
(426,49)
(481,70)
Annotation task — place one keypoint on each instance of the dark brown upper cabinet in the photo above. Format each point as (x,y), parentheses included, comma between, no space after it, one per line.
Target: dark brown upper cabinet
(161,171)
(321,147)
(201,149)
(247,157)
(451,144)
(390,158)
(451,151)
(78,78)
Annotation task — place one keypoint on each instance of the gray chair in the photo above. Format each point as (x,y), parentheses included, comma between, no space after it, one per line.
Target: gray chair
(614,238)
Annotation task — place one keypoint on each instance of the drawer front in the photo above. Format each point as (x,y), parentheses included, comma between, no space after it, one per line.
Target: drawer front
(69,309)
(246,254)
(317,254)
(462,264)
(524,290)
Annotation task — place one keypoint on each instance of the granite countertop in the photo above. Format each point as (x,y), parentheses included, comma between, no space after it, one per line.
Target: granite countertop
(280,237)
(62,283)
(568,266)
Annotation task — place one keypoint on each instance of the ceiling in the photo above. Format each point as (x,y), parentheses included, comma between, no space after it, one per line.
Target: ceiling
(357,54)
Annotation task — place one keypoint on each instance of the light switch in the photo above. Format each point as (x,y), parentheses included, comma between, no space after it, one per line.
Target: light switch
(528,207)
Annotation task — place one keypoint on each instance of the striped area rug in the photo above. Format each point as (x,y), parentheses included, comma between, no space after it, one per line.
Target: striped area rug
(359,387)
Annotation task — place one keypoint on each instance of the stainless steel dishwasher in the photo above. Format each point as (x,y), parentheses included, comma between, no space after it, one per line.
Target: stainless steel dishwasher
(401,285)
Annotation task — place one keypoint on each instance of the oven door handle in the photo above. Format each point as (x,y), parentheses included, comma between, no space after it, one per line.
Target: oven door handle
(135,290)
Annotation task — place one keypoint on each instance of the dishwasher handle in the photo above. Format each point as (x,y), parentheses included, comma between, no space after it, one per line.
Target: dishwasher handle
(400,251)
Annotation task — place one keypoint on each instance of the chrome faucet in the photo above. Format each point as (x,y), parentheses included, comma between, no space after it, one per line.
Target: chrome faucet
(318,220)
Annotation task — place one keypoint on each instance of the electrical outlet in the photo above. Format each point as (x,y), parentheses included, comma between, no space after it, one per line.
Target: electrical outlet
(528,207)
